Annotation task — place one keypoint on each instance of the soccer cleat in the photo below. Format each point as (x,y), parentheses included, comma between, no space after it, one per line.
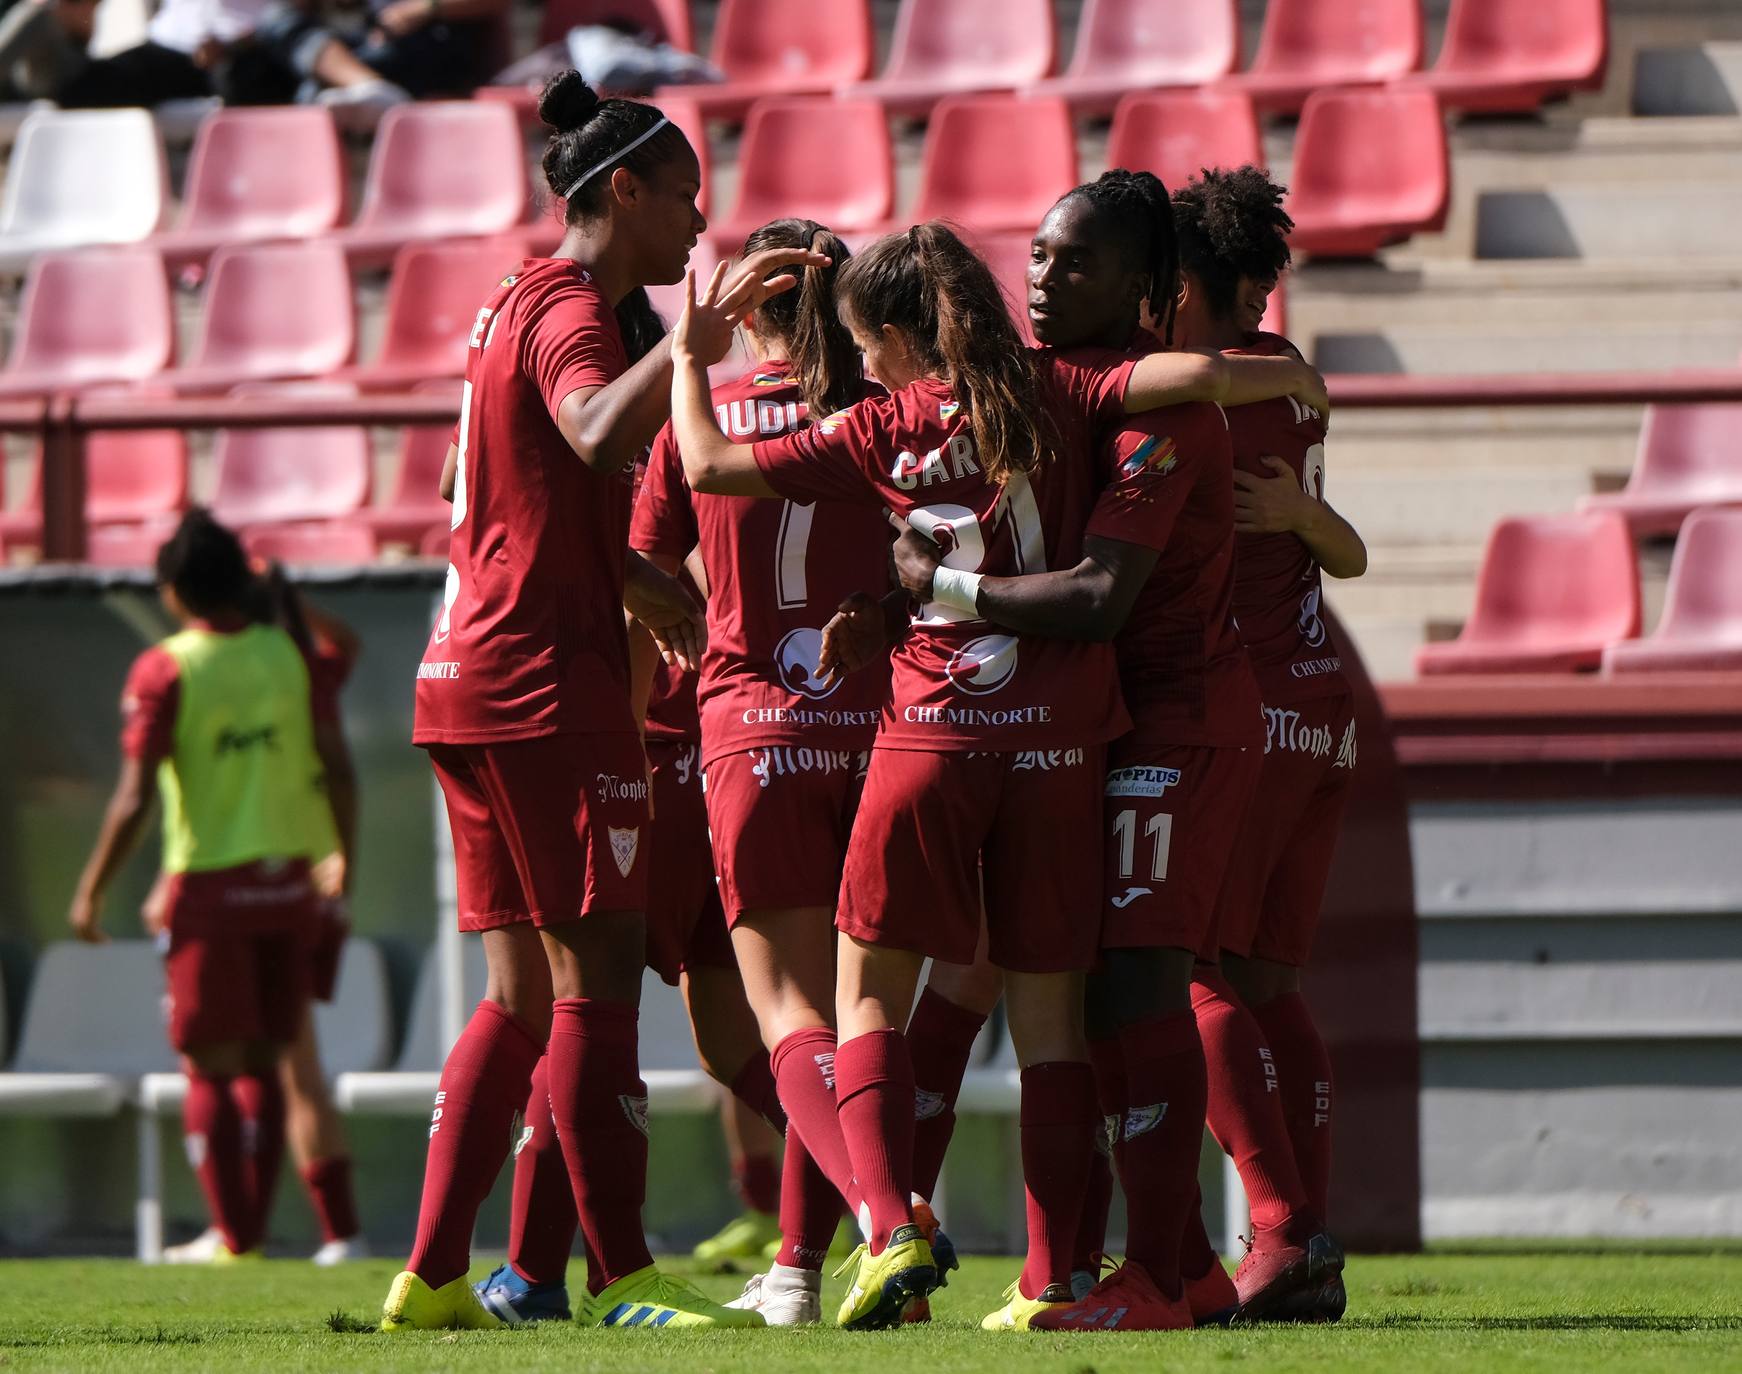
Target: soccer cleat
(1321,1305)
(225,1255)
(1273,1275)
(340,1251)
(883,1284)
(943,1250)
(1018,1311)
(1212,1296)
(202,1249)
(1126,1300)
(517,1300)
(785,1296)
(412,1305)
(649,1298)
(744,1237)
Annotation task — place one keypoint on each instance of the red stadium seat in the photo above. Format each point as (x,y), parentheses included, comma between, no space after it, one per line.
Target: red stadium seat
(125,546)
(1309,45)
(436,542)
(95,315)
(1135,45)
(432,299)
(1176,134)
(665,19)
(1553,592)
(954,47)
(996,162)
(1689,456)
(1701,628)
(271,311)
(1370,168)
(782,47)
(827,160)
(1007,255)
(272,172)
(415,504)
(271,476)
(1510,56)
(326,541)
(131,475)
(439,169)
(1275,319)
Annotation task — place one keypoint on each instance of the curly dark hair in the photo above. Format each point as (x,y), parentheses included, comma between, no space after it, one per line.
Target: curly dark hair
(1231,224)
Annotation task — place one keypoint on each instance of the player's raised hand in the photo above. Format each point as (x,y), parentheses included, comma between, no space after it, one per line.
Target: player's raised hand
(917,558)
(749,283)
(703,333)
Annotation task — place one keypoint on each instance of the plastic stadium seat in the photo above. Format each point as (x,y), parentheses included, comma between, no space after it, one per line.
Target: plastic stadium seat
(1370,168)
(1701,628)
(273,172)
(827,160)
(432,299)
(81,176)
(665,19)
(272,476)
(415,506)
(1689,455)
(1308,45)
(323,541)
(130,475)
(996,162)
(954,47)
(687,115)
(98,315)
(782,47)
(1134,45)
(125,546)
(1176,134)
(271,311)
(1275,319)
(439,169)
(1553,592)
(1008,255)
(435,542)
(1510,56)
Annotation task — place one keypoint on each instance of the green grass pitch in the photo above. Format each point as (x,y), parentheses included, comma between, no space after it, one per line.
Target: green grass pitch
(1638,1311)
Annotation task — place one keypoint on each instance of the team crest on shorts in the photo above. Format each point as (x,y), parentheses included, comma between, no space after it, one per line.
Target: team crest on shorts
(625,841)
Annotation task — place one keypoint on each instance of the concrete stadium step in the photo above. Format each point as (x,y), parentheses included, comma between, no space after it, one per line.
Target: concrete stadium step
(1387,644)
(1594,441)
(1705,80)
(1526,347)
(1691,220)
(1443,505)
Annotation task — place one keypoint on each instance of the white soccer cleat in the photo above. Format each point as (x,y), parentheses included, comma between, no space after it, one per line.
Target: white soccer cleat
(785,1296)
(202,1249)
(339,1251)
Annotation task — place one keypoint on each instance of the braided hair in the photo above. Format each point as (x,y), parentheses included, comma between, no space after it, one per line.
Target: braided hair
(1132,210)
(1231,225)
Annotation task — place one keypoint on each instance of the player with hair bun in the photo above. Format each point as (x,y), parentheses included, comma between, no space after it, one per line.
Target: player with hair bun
(523,703)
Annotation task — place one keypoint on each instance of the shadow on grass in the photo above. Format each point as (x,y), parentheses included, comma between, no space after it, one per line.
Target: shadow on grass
(1631,1321)
(100,1336)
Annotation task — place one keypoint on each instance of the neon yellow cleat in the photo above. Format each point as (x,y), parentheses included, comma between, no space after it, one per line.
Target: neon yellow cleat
(883,1284)
(412,1305)
(224,1255)
(742,1238)
(649,1298)
(1018,1310)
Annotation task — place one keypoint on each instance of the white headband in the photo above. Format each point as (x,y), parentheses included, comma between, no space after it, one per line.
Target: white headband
(618,156)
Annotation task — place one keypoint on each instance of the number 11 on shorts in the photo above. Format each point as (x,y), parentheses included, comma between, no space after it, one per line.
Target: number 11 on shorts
(1159,830)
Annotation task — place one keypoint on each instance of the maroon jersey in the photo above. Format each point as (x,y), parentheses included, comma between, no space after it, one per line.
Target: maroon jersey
(1276,578)
(1170,487)
(958,682)
(776,572)
(530,640)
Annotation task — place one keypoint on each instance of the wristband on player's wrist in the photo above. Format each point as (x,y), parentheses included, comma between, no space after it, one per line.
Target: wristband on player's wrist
(956,589)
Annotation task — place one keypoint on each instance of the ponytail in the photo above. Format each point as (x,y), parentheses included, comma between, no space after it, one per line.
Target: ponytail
(824,358)
(639,323)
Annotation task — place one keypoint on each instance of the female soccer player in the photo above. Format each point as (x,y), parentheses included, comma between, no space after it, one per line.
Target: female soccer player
(523,703)
(989,748)
(1270,1083)
(784,749)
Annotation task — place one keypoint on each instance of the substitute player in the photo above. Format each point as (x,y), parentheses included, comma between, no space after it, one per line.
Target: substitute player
(1270,1095)
(523,703)
(220,720)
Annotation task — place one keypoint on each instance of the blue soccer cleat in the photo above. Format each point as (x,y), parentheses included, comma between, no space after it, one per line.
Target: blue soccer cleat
(517,1301)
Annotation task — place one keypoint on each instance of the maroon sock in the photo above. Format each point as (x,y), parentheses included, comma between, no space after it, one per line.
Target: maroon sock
(542,1219)
(1058,1142)
(1196,1254)
(810,1208)
(483,1085)
(756,1180)
(328,1184)
(1245,1108)
(259,1100)
(940,1039)
(212,1131)
(1109,1069)
(599,1104)
(754,1087)
(1162,1133)
(1303,1074)
(874,1093)
(804,1069)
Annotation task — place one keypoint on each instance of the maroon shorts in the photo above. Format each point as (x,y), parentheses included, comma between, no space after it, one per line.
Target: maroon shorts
(1276,879)
(930,822)
(236,957)
(546,830)
(1171,815)
(780,818)
(327,933)
(685,928)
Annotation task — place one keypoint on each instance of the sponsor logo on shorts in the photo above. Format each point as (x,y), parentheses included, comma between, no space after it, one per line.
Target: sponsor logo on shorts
(1144,781)
(927,1105)
(1346,750)
(635,1108)
(983,665)
(1045,760)
(1283,730)
(625,841)
(1130,895)
(1312,624)
(784,762)
(1142,1120)
(612,787)
(795,659)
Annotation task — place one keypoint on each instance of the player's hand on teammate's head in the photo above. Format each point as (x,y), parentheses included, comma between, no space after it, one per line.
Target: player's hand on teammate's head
(855,637)
(749,283)
(916,559)
(85,917)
